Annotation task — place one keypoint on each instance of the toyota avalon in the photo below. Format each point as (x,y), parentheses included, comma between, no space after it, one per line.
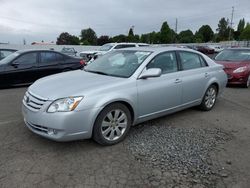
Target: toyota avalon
(121,89)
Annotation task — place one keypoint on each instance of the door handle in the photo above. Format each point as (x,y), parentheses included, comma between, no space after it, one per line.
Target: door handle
(206,75)
(177,81)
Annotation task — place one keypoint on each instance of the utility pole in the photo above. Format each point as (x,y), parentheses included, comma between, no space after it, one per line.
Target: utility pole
(231,24)
(176,29)
(176,25)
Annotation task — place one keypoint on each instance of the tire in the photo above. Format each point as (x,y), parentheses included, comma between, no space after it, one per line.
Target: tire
(247,85)
(112,124)
(209,98)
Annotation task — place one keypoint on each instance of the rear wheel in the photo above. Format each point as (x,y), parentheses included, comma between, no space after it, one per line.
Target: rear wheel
(209,98)
(112,124)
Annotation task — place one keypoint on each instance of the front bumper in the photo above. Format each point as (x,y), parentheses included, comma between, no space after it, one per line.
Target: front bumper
(237,79)
(60,126)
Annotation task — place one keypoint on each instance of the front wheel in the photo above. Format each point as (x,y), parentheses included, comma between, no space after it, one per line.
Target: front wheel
(248,82)
(112,124)
(209,98)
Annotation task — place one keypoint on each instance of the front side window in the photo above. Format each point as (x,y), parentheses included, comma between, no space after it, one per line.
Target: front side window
(28,58)
(191,60)
(118,63)
(166,62)
(48,57)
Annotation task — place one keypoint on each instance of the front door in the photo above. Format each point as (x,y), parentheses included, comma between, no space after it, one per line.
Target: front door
(22,69)
(157,95)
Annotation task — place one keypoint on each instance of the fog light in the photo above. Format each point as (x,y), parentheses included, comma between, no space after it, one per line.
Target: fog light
(52,132)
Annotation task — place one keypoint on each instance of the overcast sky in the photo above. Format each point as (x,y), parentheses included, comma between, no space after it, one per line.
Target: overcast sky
(36,20)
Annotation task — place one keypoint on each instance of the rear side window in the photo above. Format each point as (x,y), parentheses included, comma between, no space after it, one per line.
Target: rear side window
(48,57)
(166,62)
(28,58)
(124,46)
(191,60)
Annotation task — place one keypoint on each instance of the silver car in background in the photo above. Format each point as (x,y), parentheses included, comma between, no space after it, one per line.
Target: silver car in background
(120,89)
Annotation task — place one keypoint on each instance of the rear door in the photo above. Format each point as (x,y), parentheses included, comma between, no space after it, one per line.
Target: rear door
(23,69)
(49,63)
(194,76)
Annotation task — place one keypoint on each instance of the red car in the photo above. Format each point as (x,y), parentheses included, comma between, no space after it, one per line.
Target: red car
(236,63)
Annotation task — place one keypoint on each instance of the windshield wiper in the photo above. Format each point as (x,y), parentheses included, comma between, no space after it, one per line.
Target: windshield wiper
(97,72)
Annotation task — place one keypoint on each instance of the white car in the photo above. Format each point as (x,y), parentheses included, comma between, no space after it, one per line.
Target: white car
(88,55)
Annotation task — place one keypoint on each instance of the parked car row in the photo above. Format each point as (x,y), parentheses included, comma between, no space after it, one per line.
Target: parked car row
(88,55)
(121,88)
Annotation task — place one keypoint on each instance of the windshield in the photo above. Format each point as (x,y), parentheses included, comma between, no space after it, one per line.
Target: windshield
(233,55)
(9,58)
(106,47)
(118,63)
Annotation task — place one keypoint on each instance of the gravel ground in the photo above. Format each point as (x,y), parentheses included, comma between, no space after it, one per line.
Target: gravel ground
(179,156)
(156,153)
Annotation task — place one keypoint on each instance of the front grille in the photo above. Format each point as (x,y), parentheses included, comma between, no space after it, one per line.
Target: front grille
(38,128)
(33,102)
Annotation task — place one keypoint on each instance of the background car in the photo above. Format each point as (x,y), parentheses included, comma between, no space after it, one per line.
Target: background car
(69,51)
(5,52)
(217,48)
(205,50)
(88,55)
(26,66)
(122,88)
(237,65)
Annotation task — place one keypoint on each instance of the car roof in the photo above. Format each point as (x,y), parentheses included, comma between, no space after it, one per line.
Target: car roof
(241,48)
(126,43)
(158,49)
(6,49)
(34,50)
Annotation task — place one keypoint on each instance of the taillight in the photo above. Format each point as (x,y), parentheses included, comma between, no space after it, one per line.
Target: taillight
(82,63)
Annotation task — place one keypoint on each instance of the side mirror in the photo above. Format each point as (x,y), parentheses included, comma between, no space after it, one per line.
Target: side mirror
(150,73)
(15,64)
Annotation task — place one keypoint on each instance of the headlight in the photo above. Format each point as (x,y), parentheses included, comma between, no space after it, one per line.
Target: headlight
(64,105)
(241,69)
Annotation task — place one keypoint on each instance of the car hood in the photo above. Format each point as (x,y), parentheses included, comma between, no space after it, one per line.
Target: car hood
(73,83)
(233,64)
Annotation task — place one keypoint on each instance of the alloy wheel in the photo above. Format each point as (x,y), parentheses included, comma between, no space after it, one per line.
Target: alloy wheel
(114,125)
(210,97)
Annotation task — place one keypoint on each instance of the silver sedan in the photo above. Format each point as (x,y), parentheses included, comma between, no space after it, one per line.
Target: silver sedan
(121,89)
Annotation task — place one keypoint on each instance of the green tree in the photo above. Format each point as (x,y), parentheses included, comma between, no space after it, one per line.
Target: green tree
(131,36)
(88,37)
(206,33)
(223,29)
(245,35)
(198,38)
(67,39)
(241,25)
(119,38)
(186,36)
(145,38)
(240,28)
(103,40)
(166,34)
